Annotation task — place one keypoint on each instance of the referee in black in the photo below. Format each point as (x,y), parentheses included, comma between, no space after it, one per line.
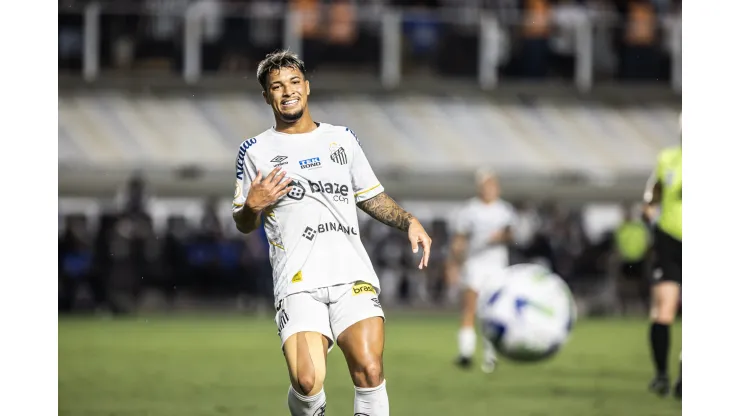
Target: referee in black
(663,208)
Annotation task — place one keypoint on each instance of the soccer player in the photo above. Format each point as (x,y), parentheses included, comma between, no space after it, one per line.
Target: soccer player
(482,232)
(663,204)
(303,179)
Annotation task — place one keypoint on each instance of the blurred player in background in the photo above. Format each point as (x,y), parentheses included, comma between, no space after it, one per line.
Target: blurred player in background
(304,179)
(481,234)
(663,206)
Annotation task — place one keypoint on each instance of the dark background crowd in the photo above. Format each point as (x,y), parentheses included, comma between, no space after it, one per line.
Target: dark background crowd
(630,39)
(109,262)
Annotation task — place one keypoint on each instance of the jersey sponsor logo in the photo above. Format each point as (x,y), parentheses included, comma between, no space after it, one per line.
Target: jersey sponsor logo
(339,192)
(337,154)
(312,163)
(242,153)
(297,192)
(362,287)
(310,233)
(297,278)
(279,161)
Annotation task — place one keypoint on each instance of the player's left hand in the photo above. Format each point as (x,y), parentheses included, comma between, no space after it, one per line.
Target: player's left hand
(417,235)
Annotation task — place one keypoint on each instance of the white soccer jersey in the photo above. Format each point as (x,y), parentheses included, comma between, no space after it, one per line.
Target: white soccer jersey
(313,231)
(479,221)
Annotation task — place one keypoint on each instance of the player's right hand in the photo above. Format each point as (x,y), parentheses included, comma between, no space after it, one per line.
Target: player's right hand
(265,192)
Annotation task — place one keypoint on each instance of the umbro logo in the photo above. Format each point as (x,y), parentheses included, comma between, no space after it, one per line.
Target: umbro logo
(279,161)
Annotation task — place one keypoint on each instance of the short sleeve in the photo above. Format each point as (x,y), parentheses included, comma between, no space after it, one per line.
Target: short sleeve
(365,184)
(245,174)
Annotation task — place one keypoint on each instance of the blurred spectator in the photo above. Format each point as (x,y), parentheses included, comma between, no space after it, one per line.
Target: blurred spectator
(421,31)
(566,16)
(196,259)
(134,197)
(640,59)
(70,36)
(75,260)
(435,274)
(536,33)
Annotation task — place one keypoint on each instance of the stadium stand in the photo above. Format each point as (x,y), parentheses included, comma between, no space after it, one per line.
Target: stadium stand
(119,129)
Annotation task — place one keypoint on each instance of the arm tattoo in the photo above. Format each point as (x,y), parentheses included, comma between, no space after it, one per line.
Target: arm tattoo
(384,209)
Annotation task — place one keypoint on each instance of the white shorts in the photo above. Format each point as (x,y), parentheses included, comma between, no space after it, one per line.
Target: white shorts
(479,278)
(327,310)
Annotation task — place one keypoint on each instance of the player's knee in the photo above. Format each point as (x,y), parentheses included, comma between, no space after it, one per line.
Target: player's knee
(664,317)
(308,384)
(369,373)
(306,380)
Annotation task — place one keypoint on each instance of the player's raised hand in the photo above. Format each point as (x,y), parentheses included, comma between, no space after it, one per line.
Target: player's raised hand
(266,192)
(417,235)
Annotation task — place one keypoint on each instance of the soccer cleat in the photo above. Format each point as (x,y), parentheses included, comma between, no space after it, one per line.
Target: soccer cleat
(488,365)
(660,386)
(677,390)
(464,362)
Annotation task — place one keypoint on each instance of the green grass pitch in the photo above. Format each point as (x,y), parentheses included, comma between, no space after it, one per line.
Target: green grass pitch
(187,366)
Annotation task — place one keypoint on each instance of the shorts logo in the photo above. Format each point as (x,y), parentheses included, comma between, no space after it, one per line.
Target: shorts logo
(338,155)
(283,319)
(298,277)
(279,161)
(297,192)
(361,288)
(311,163)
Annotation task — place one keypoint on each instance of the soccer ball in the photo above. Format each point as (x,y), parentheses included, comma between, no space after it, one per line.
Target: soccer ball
(529,314)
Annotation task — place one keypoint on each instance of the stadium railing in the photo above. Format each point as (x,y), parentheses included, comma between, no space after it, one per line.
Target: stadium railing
(388,23)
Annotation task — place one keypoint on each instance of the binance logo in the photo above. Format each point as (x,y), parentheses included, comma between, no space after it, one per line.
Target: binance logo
(309,233)
(298,277)
(362,287)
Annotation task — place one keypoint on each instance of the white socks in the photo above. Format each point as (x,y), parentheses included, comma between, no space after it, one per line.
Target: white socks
(466,342)
(489,352)
(372,401)
(301,405)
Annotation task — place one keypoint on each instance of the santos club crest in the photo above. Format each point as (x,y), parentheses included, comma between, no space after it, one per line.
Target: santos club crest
(338,155)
